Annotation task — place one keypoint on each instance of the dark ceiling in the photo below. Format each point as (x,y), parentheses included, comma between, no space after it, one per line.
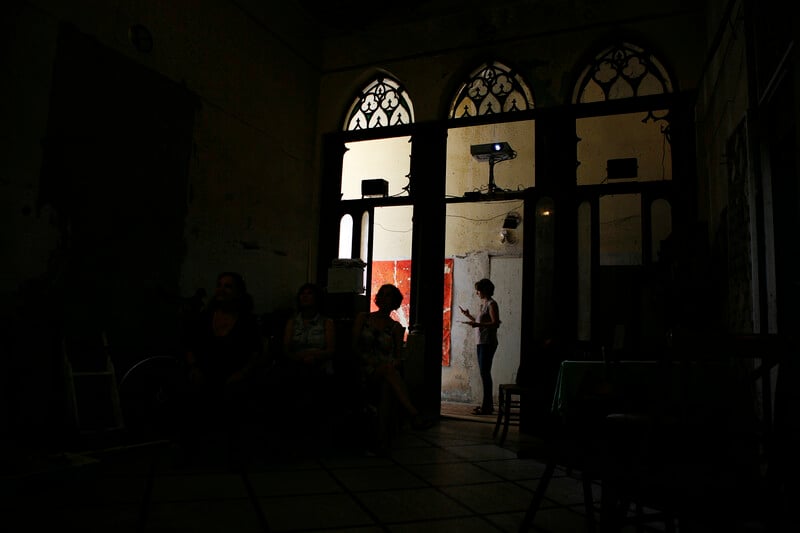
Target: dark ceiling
(351,15)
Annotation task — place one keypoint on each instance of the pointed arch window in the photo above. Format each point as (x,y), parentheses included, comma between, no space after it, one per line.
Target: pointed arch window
(621,71)
(492,88)
(383,102)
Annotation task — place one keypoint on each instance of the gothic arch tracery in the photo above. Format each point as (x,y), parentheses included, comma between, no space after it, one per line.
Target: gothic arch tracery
(491,88)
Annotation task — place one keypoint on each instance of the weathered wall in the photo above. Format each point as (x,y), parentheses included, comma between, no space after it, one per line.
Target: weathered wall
(243,196)
(251,191)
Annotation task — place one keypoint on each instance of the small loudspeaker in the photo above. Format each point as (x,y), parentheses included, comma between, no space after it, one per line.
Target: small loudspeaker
(374,188)
(620,169)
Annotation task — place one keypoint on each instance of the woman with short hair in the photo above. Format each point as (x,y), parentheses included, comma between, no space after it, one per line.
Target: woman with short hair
(485,324)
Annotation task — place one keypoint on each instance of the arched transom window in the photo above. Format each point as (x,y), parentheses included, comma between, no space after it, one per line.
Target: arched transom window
(621,71)
(491,88)
(382,102)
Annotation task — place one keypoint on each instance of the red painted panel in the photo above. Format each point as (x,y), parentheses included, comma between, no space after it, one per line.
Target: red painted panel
(398,273)
(447,310)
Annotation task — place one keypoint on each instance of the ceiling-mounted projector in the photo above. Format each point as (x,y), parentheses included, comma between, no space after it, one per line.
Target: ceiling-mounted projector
(500,151)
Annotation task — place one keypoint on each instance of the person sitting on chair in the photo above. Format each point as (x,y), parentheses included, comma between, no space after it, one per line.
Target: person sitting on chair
(309,343)
(224,347)
(377,340)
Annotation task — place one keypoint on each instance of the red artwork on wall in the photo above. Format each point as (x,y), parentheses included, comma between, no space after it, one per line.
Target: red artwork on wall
(398,273)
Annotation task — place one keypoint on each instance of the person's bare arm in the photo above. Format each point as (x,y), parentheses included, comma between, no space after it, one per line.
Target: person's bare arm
(330,339)
(288,332)
(195,374)
(399,333)
(494,316)
(358,324)
(471,321)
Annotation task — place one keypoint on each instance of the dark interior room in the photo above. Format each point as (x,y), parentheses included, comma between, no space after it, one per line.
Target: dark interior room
(519,265)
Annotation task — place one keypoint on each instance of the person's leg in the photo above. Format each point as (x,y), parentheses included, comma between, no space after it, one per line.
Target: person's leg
(386,417)
(395,381)
(235,411)
(479,351)
(485,358)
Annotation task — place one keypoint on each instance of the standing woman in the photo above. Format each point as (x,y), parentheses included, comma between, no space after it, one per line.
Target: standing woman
(487,322)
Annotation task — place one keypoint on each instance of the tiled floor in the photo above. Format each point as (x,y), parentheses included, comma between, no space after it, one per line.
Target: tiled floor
(452,477)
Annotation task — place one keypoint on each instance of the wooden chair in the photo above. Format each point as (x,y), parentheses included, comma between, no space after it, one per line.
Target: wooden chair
(509,401)
(532,387)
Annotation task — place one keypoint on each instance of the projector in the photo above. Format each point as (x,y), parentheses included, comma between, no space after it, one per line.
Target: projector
(501,151)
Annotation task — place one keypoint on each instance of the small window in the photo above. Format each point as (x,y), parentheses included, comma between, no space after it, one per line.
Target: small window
(624,147)
(346,237)
(492,88)
(621,71)
(383,102)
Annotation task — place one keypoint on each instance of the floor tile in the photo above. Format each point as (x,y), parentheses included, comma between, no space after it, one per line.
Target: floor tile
(293,482)
(428,455)
(198,487)
(491,497)
(473,524)
(452,477)
(565,490)
(507,522)
(453,474)
(481,452)
(415,439)
(108,489)
(378,478)
(401,506)
(318,511)
(559,520)
(514,469)
(204,516)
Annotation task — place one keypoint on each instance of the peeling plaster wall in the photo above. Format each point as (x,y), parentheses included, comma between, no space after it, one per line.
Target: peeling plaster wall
(461,380)
(729,197)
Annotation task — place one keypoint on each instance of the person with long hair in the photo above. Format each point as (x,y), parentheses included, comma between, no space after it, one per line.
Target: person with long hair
(223,350)
(225,342)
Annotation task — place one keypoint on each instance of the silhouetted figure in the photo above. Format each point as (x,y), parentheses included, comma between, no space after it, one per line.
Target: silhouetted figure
(377,341)
(486,324)
(223,349)
(309,343)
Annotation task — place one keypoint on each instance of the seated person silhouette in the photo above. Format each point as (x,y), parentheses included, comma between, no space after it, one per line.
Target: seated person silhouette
(377,341)
(223,349)
(309,343)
